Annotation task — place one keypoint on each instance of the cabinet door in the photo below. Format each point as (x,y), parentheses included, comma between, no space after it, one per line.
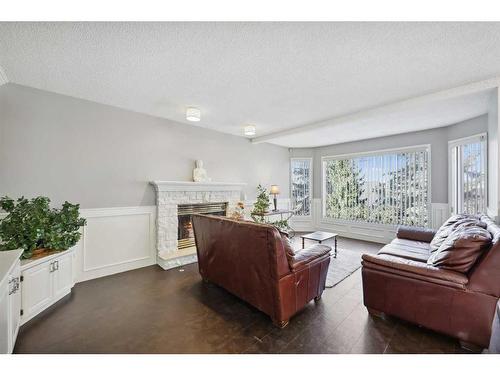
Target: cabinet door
(37,289)
(63,276)
(15,306)
(4,317)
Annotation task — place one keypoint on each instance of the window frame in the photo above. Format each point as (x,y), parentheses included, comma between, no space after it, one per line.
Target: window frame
(421,147)
(479,137)
(311,200)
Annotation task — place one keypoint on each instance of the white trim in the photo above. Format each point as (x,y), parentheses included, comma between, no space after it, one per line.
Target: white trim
(387,109)
(197,186)
(382,233)
(481,138)
(378,152)
(469,139)
(311,187)
(440,213)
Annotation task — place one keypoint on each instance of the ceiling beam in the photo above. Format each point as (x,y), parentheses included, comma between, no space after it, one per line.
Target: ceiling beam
(3,77)
(455,92)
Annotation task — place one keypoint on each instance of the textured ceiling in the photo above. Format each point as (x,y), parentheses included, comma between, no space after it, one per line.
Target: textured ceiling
(274,75)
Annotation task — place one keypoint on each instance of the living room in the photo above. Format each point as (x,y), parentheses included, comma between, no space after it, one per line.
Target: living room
(177,188)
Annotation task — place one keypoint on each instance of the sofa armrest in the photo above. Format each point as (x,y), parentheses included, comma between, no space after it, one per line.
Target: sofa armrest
(415,233)
(307,255)
(414,269)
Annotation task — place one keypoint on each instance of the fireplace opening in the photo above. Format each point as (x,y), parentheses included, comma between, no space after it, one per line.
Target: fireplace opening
(185,237)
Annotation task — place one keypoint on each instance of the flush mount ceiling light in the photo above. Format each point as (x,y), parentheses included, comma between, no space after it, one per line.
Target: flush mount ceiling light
(193,114)
(249,130)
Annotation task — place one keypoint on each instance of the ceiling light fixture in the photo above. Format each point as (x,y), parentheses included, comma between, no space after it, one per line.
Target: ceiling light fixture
(193,114)
(250,130)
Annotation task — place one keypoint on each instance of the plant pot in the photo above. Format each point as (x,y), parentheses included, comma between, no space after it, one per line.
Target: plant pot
(40,253)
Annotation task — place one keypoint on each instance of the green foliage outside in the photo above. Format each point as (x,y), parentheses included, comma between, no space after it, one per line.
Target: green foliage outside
(400,197)
(31,224)
(344,198)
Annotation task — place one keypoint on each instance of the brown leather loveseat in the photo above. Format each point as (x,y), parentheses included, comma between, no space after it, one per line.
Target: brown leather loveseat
(254,262)
(447,281)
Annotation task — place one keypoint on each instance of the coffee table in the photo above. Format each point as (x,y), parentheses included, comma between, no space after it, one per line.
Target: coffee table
(320,237)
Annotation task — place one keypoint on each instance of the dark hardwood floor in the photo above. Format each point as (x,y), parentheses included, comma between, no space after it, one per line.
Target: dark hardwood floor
(150,310)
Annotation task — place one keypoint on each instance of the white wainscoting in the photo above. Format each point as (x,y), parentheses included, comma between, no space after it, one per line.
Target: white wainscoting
(363,231)
(115,240)
(123,238)
(440,212)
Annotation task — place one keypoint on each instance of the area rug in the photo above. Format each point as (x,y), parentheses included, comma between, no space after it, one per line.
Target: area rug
(347,262)
(348,259)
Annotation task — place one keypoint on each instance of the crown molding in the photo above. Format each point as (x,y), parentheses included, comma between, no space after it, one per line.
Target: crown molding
(415,101)
(3,77)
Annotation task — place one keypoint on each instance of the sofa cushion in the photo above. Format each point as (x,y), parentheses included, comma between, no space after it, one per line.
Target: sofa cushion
(415,233)
(407,249)
(413,269)
(304,256)
(460,250)
(451,224)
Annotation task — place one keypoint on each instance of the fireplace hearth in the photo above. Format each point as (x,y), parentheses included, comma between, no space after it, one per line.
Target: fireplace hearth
(185,234)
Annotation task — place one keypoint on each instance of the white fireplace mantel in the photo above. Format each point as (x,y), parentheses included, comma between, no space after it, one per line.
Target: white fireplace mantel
(197,186)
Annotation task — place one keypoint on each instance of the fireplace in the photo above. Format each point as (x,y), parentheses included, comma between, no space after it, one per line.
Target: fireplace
(185,234)
(175,196)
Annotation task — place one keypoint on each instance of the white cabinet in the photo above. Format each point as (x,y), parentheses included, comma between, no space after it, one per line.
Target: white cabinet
(44,282)
(63,276)
(10,299)
(37,289)
(15,304)
(4,317)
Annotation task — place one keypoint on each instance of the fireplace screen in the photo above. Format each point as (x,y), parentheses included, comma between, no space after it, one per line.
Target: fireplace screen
(185,237)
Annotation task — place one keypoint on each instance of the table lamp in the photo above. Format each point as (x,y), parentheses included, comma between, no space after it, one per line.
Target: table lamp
(275,190)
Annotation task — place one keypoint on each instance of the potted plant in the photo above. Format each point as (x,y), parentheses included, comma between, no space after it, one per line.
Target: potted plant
(261,205)
(32,225)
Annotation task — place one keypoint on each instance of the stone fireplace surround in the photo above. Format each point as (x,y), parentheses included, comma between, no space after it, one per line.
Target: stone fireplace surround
(169,194)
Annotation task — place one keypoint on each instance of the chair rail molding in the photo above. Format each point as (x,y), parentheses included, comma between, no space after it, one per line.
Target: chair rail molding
(365,231)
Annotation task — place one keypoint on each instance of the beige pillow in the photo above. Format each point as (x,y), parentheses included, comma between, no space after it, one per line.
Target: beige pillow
(461,249)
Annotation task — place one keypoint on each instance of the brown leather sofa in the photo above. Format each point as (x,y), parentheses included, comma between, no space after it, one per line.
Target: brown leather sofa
(398,281)
(254,262)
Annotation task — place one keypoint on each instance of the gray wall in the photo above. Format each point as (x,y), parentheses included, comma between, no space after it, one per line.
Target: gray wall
(101,156)
(493,124)
(437,138)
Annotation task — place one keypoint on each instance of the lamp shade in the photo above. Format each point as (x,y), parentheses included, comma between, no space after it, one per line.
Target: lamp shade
(249,130)
(275,189)
(193,114)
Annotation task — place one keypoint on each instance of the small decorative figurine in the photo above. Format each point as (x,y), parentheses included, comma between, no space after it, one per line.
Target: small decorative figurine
(200,174)
(238,213)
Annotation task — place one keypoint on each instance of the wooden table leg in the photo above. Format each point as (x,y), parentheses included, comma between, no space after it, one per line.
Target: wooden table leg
(335,256)
(303,242)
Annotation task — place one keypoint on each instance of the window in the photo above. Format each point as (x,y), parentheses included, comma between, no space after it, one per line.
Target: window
(468,175)
(301,185)
(389,187)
